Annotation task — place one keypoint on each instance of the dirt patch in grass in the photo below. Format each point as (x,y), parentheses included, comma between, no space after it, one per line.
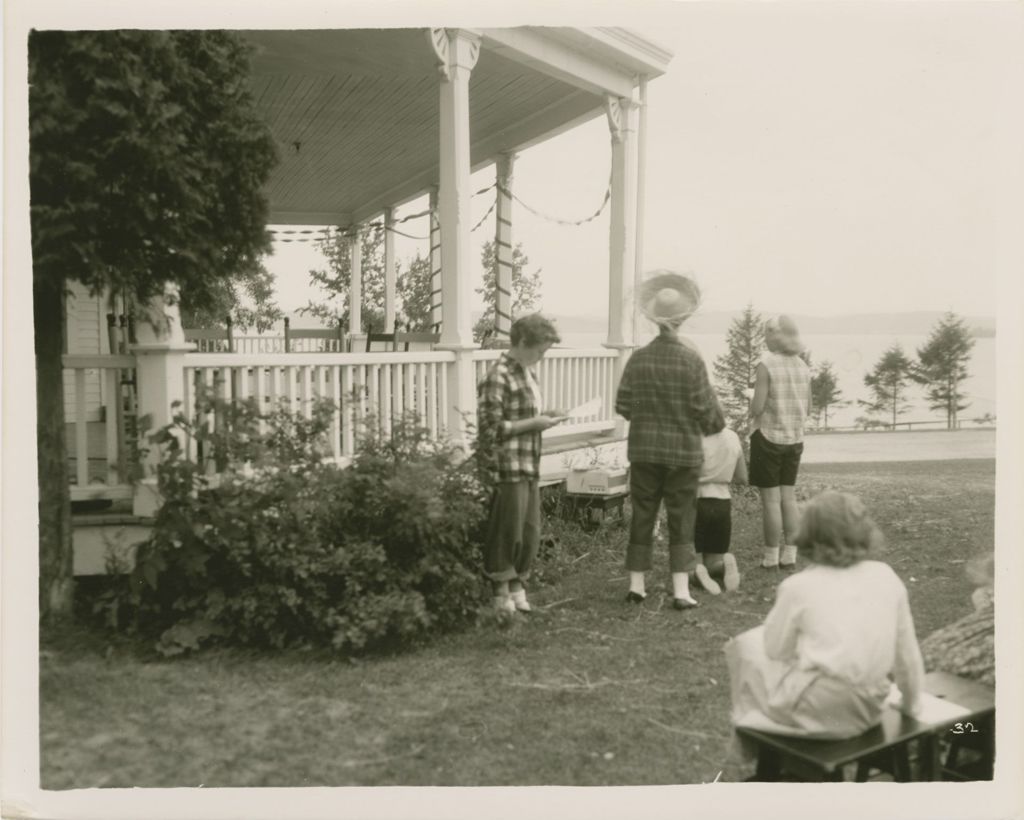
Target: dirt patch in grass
(585,691)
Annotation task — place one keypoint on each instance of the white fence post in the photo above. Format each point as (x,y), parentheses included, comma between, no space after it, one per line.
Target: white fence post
(159,357)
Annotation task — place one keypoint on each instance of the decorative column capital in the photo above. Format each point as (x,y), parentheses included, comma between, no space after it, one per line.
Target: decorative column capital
(504,163)
(454,48)
(620,113)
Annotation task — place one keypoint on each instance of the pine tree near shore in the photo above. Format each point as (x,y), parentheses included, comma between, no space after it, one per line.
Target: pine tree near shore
(735,370)
(888,382)
(825,392)
(942,367)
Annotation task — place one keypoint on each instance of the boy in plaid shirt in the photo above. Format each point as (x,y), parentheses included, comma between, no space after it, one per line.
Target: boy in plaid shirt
(665,395)
(510,423)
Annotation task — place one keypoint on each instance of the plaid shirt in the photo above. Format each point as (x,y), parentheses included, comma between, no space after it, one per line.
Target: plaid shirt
(666,396)
(785,412)
(509,392)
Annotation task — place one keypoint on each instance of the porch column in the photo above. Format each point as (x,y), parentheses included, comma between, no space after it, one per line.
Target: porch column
(389,270)
(435,262)
(623,274)
(355,287)
(503,248)
(160,384)
(457,51)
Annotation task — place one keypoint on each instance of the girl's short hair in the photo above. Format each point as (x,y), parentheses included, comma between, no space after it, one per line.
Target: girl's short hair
(781,335)
(836,530)
(533,331)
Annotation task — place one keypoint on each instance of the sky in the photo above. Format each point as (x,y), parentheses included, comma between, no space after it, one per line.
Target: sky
(816,159)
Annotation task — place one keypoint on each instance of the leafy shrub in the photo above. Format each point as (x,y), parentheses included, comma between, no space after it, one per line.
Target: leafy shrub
(284,549)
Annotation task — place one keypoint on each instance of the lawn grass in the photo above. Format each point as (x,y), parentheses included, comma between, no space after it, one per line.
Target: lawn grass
(585,691)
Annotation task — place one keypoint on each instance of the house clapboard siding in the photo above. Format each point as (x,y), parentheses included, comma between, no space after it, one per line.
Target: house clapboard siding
(85,328)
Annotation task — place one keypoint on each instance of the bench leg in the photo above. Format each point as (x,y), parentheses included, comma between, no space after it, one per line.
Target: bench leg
(901,764)
(929,762)
(768,768)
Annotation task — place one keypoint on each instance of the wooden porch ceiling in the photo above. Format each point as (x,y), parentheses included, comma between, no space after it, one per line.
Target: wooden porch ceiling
(355,112)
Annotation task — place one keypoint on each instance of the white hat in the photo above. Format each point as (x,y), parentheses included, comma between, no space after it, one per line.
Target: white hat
(668,298)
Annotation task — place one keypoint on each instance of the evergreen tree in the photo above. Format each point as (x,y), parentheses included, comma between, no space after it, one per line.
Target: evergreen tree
(525,288)
(147,165)
(942,366)
(888,382)
(825,392)
(735,370)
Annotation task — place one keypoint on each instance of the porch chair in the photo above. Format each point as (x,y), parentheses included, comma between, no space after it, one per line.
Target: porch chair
(422,339)
(383,339)
(332,337)
(212,339)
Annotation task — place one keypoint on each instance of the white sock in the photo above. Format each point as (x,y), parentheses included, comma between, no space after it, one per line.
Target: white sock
(788,555)
(681,586)
(770,557)
(636,583)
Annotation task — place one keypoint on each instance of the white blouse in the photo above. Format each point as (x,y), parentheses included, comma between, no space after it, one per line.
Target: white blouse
(852,623)
(721,452)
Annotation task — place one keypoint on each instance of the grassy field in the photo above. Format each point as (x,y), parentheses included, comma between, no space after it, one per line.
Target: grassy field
(585,691)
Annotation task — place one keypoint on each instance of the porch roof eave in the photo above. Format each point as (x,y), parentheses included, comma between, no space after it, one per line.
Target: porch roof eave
(358,133)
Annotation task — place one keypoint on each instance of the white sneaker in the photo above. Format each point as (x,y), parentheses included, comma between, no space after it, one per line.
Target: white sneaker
(731,580)
(787,559)
(504,603)
(770,558)
(519,601)
(706,581)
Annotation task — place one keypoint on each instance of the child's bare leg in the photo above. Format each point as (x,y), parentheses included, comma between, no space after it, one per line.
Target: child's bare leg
(713,562)
(771,512)
(790,524)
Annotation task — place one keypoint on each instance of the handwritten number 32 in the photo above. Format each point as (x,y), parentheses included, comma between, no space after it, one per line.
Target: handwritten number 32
(963,728)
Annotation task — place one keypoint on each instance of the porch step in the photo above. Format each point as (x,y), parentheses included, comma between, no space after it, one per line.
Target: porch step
(104,541)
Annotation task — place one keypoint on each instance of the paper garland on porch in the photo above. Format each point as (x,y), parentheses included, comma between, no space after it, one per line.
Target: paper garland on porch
(325,233)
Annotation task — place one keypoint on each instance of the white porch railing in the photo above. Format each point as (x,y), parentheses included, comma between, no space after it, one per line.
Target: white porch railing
(275,344)
(569,377)
(362,386)
(100,457)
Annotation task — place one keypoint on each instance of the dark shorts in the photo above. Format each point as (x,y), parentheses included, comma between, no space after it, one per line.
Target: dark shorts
(713,530)
(773,465)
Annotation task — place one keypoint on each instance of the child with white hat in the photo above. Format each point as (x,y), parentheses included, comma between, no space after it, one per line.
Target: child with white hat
(666,396)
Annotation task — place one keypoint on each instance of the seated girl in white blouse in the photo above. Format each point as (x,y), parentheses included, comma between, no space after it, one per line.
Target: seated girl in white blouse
(841,629)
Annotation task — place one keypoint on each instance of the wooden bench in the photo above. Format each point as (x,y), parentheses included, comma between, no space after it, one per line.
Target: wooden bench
(886,747)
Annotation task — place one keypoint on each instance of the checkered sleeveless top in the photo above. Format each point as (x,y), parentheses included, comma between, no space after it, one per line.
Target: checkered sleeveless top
(786,410)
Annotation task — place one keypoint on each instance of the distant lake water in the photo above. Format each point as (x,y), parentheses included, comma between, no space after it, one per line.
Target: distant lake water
(852,358)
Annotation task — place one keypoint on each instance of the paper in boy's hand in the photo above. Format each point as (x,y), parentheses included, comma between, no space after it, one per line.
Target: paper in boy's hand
(588,408)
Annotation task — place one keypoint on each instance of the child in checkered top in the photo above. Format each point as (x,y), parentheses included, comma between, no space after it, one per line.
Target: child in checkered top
(779,408)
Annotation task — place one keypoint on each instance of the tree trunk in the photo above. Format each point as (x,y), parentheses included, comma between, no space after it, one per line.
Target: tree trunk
(55,549)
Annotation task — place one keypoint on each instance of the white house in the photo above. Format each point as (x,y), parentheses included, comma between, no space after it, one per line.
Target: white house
(366,121)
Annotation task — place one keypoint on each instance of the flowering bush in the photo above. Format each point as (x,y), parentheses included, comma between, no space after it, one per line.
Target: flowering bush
(281,548)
